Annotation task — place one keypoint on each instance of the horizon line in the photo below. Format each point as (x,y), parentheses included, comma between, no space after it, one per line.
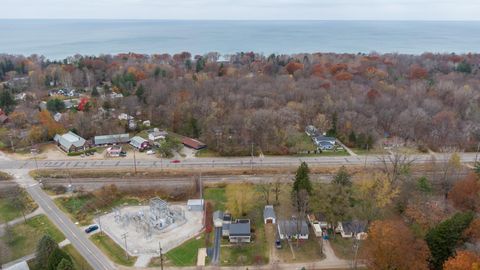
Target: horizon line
(250,20)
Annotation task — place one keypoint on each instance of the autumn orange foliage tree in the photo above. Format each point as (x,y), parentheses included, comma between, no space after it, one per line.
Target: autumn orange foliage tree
(343,76)
(464,260)
(465,194)
(417,72)
(47,121)
(293,66)
(391,245)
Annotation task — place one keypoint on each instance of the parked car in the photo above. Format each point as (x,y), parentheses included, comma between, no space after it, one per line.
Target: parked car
(123,154)
(278,244)
(175,161)
(91,228)
(150,152)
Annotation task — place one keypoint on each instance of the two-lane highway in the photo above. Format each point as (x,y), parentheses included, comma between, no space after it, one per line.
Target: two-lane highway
(73,233)
(231,162)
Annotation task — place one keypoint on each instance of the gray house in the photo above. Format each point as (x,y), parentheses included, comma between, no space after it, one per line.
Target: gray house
(111,139)
(292,229)
(239,232)
(70,142)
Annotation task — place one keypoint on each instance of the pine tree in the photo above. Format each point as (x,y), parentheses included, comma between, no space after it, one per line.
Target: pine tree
(45,248)
(302,180)
(342,178)
(56,258)
(65,265)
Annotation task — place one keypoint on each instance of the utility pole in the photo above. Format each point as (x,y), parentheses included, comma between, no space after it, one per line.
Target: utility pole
(134,160)
(251,158)
(98,214)
(476,155)
(124,236)
(161,254)
(366,157)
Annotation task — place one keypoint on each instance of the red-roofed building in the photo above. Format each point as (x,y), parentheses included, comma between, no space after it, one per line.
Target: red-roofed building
(192,143)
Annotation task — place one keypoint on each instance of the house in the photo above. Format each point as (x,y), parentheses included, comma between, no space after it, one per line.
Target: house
(195,205)
(319,139)
(146,123)
(124,116)
(18,266)
(192,143)
(156,134)
(218,219)
(227,220)
(322,220)
(311,130)
(324,145)
(353,228)
(240,231)
(70,142)
(114,151)
(111,139)
(139,143)
(317,229)
(269,214)
(292,229)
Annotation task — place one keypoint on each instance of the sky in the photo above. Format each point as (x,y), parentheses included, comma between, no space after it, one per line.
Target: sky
(243,9)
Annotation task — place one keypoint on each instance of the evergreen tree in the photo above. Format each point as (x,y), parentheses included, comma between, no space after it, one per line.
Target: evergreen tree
(95,92)
(200,65)
(423,185)
(342,178)
(195,130)
(302,180)
(55,105)
(445,237)
(333,131)
(140,93)
(65,265)
(352,138)
(7,102)
(56,258)
(45,247)
(464,67)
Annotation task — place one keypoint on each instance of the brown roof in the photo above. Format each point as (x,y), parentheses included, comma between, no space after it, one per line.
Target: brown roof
(193,143)
(3,118)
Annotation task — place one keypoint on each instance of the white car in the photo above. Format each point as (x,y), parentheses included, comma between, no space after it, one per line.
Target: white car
(150,152)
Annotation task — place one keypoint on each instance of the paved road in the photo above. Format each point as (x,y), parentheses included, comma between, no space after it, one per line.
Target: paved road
(74,234)
(268,161)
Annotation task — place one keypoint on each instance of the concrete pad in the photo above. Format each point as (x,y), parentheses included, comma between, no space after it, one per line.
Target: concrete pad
(137,243)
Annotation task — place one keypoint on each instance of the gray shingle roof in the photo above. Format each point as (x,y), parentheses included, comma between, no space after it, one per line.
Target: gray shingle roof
(239,229)
(137,141)
(269,212)
(68,139)
(111,139)
(292,227)
(354,227)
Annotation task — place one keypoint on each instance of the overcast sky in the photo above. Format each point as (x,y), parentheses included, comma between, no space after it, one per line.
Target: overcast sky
(245,9)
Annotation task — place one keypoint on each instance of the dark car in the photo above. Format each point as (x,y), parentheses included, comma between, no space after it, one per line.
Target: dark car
(123,154)
(91,228)
(278,244)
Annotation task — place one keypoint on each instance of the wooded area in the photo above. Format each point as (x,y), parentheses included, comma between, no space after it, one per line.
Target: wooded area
(431,100)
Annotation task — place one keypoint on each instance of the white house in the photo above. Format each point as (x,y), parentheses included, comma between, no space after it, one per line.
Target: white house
(156,134)
(195,205)
(353,228)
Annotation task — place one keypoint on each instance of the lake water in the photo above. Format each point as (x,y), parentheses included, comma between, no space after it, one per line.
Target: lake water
(60,38)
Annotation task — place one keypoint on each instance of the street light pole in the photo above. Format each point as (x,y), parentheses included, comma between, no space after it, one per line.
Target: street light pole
(476,155)
(161,254)
(124,236)
(134,160)
(251,158)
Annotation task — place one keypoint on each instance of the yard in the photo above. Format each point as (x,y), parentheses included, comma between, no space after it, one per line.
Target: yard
(112,250)
(8,210)
(302,251)
(217,197)
(21,239)
(254,253)
(183,255)
(82,208)
(79,263)
(343,247)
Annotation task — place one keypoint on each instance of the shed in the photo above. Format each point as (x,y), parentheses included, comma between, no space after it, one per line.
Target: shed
(192,143)
(111,139)
(195,205)
(218,219)
(139,143)
(269,214)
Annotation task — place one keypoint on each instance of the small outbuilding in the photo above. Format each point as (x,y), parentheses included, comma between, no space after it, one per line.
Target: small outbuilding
(111,139)
(194,144)
(218,219)
(195,205)
(139,143)
(269,214)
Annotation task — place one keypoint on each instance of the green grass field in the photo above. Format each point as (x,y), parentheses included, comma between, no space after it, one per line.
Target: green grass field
(79,263)
(5,176)
(9,212)
(217,197)
(183,255)
(23,238)
(206,153)
(112,250)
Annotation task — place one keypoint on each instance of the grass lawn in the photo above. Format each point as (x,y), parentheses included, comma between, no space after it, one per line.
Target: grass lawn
(338,153)
(112,250)
(217,197)
(23,238)
(206,153)
(183,255)
(9,212)
(79,263)
(307,250)
(343,247)
(75,206)
(375,151)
